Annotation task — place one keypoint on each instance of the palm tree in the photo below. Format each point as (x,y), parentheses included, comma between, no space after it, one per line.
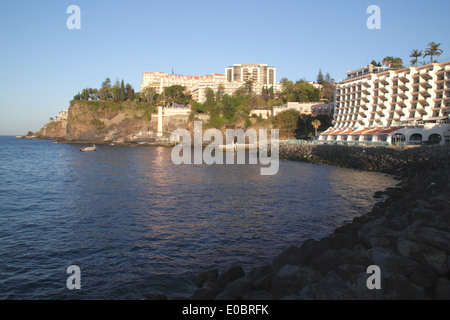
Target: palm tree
(433,50)
(316,124)
(415,54)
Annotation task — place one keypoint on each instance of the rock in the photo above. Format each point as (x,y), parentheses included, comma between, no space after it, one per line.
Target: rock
(235,289)
(357,283)
(331,259)
(260,272)
(399,287)
(291,279)
(263,283)
(155,296)
(420,274)
(433,237)
(205,293)
(210,275)
(230,275)
(422,253)
(331,287)
(442,289)
(293,255)
(257,295)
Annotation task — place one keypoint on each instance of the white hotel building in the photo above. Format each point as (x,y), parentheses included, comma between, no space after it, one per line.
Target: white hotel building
(236,76)
(409,105)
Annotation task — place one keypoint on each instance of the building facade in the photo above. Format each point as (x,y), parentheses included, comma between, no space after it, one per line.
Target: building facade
(261,74)
(160,80)
(410,105)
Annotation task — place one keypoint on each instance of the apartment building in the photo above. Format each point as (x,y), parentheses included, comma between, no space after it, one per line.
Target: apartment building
(160,80)
(199,90)
(408,105)
(261,74)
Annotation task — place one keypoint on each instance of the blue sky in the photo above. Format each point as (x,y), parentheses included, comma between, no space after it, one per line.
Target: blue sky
(44,64)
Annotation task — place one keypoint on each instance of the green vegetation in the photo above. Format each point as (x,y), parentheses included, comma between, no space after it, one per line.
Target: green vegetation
(393,63)
(292,124)
(433,50)
(224,110)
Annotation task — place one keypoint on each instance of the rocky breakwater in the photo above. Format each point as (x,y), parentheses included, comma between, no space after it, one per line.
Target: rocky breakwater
(407,236)
(390,160)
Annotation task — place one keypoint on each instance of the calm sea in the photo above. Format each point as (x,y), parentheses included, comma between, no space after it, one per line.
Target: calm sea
(135,223)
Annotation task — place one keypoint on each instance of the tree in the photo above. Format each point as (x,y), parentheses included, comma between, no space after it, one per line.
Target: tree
(105,91)
(376,64)
(149,95)
(176,94)
(249,85)
(415,54)
(388,61)
(122,91)
(316,124)
(271,93)
(210,99)
(433,50)
(286,122)
(320,79)
(392,63)
(129,92)
(220,92)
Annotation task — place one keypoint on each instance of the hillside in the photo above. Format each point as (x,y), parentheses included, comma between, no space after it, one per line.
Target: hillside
(103,121)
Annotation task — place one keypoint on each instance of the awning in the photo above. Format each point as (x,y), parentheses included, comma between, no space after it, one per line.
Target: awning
(360,131)
(387,131)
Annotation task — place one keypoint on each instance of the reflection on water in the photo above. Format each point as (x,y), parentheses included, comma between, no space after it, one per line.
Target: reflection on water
(136,223)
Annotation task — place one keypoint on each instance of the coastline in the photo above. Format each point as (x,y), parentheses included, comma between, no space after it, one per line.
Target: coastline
(407,236)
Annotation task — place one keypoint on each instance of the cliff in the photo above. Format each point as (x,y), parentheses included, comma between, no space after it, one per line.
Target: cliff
(107,121)
(53,130)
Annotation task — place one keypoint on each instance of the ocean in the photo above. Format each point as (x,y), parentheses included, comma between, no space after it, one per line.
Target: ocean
(137,224)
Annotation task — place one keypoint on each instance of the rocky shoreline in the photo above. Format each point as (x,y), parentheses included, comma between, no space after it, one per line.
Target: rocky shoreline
(407,236)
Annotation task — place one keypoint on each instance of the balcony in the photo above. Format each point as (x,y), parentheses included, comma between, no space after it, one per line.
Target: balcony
(425,85)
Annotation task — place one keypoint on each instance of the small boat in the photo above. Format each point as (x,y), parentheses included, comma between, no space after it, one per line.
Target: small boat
(86,149)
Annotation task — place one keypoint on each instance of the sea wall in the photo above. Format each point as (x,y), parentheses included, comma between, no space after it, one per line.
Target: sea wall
(407,236)
(392,160)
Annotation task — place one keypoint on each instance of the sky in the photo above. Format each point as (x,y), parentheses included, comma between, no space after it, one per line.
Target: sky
(43,63)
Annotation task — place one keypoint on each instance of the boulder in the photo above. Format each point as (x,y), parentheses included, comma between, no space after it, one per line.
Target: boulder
(331,287)
(235,289)
(290,279)
(210,275)
(442,289)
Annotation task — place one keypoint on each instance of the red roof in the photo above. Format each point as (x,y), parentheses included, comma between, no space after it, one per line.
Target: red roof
(386,131)
(360,131)
(347,131)
(372,131)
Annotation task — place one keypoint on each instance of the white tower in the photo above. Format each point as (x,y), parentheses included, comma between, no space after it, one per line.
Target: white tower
(160,122)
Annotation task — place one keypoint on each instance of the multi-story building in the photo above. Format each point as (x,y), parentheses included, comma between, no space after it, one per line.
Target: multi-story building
(160,80)
(261,74)
(407,105)
(199,90)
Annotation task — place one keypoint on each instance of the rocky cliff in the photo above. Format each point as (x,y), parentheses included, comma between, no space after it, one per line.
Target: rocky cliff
(53,130)
(106,121)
